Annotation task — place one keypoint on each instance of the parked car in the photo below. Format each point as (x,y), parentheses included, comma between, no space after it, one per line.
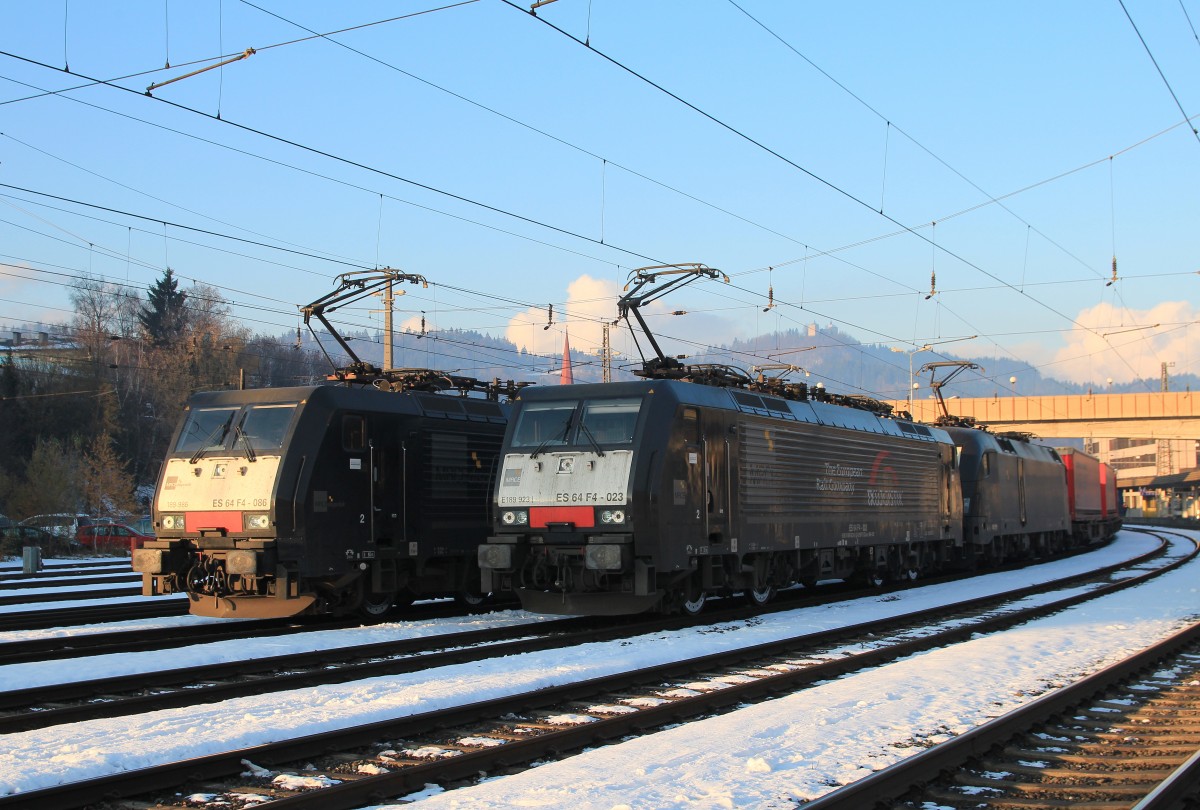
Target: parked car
(15,538)
(111,537)
(144,525)
(62,524)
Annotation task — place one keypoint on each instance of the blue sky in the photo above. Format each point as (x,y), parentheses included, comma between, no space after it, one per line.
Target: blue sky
(515,167)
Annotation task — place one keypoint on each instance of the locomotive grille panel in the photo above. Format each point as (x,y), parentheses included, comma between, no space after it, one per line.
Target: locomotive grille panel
(789,474)
(458,476)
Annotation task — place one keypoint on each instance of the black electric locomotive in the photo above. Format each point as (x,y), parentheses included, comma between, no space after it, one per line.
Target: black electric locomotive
(623,497)
(615,498)
(329,499)
(323,499)
(1014,496)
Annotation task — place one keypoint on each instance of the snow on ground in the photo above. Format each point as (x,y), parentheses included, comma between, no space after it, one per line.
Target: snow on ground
(127,625)
(764,756)
(42,673)
(50,565)
(782,752)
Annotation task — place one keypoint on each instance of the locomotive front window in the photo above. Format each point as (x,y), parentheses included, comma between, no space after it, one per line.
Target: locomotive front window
(265,426)
(543,423)
(611,421)
(206,429)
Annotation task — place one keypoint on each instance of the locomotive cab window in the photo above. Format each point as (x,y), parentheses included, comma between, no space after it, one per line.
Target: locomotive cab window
(354,432)
(544,423)
(611,421)
(265,426)
(206,429)
(691,425)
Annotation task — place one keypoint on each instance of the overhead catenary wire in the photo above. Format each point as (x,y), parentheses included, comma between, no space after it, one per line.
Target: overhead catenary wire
(898,232)
(808,172)
(1157,67)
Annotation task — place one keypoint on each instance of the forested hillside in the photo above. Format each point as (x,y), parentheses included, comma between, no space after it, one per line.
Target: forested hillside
(87,407)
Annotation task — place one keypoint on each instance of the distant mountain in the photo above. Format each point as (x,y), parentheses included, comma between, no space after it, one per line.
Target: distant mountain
(828,355)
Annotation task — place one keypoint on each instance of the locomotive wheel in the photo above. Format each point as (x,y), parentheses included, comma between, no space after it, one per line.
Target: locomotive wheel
(692,605)
(375,606)
(757,597)
(473,601)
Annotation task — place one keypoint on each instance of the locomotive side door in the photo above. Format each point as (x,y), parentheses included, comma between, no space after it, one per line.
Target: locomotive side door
(359,471)
(338,518)
(692,495)
(716,483)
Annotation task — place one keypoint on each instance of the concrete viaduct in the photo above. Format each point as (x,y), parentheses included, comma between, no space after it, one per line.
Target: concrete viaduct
(1159,415)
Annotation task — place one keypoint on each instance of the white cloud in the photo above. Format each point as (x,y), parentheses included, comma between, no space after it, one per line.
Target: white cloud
(591,302)
(1126,345)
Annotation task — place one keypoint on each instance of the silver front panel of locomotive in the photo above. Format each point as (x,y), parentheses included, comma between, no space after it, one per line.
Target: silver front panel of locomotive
(218,484)
(565,479)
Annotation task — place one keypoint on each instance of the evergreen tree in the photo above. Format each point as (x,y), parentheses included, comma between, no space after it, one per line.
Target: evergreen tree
(107,487)
(164,318)
(50,483)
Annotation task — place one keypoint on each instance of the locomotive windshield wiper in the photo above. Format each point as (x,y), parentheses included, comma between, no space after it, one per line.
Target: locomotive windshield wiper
(559,437)
(583,428)
(217,437)
(244,439)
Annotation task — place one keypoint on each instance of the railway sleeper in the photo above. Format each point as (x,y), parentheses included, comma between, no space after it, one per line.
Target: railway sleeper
(1055,776)
(1126,787)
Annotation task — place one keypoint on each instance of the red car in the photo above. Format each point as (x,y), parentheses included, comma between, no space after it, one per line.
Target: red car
(111,537)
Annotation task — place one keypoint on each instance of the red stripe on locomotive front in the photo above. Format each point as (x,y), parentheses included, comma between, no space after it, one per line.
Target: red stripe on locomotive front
(581,516)
(229,521)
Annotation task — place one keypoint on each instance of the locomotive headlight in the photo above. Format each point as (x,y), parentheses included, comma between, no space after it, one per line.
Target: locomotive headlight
(253,522)
(514,517)
(172,522)
(612,516)
(602,557)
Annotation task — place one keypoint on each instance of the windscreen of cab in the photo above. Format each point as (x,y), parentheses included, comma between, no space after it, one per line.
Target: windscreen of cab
(262,427)
(566,423)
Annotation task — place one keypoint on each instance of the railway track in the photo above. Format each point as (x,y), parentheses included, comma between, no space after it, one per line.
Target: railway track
(145,639)
(1128,736)
(93,614)
(71,581)
(460,742)
(68,573)
(152,690)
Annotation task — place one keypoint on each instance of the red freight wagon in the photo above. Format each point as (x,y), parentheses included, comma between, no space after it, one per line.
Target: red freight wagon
(1086,493)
